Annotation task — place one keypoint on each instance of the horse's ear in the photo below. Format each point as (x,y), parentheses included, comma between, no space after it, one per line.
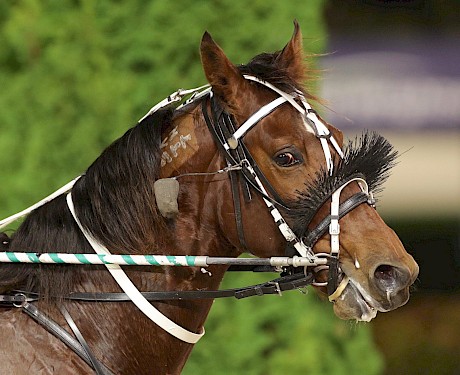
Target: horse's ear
(223,76)
(291,58)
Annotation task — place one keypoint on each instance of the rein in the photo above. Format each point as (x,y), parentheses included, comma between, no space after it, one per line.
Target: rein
(276,286)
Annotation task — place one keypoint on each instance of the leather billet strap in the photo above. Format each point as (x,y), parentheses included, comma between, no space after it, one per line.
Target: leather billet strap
(56,330)
(95,364)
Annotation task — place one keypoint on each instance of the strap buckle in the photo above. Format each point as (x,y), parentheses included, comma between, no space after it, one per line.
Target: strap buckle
(20,300)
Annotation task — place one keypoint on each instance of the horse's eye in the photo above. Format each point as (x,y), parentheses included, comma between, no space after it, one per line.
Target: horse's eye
(286,159)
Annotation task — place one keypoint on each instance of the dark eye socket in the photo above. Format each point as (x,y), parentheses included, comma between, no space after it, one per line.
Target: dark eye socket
(287,159)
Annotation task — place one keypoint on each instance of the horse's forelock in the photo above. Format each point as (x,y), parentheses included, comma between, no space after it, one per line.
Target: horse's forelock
(265,67)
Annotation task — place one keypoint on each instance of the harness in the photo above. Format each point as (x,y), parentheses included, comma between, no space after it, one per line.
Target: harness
(244,172)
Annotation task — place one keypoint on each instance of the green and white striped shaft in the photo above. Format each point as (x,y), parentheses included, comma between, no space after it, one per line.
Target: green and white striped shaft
(125,260)
(151,260)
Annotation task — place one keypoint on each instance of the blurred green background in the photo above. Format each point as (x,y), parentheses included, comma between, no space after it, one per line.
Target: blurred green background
(75,75)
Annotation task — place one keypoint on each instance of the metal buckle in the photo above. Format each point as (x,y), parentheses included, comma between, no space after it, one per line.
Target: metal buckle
(23,302)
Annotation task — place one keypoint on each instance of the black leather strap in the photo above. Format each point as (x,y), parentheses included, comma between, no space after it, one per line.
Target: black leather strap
(237,210)
(219,134)
(344,209)
(97,366)
(55,329)
(284,283)
(275,286)
(333,275)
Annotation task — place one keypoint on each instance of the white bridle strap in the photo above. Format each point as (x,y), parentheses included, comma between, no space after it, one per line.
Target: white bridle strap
(232,142)
(62,190)
(321,130)
(177,96)
(281,93)
(132,292)
(334,226)
(283,227)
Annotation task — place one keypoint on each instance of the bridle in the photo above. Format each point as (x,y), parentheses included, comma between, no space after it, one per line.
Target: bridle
(230,141)
(244,172)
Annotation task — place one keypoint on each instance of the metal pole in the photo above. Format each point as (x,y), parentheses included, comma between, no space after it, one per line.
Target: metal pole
(153,260)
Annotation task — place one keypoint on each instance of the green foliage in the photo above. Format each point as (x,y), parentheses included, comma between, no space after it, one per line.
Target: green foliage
(74,75)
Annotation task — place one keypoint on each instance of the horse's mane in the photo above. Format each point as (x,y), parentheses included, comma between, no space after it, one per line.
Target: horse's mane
(114,199)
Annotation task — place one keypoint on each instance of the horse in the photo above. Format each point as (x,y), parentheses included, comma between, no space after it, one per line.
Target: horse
(249,167)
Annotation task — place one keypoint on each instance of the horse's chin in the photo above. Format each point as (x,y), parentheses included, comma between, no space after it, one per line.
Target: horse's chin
(356,302)
(355,305)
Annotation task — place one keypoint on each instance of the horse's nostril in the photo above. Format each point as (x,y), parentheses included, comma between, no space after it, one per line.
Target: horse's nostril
(389,277)
(385,272)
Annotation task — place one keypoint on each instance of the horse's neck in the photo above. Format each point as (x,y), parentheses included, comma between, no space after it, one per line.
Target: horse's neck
(139,343)
(125,340)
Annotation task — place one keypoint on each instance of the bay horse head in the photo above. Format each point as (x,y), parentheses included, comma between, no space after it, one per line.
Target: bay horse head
(287,147)
(248,166)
